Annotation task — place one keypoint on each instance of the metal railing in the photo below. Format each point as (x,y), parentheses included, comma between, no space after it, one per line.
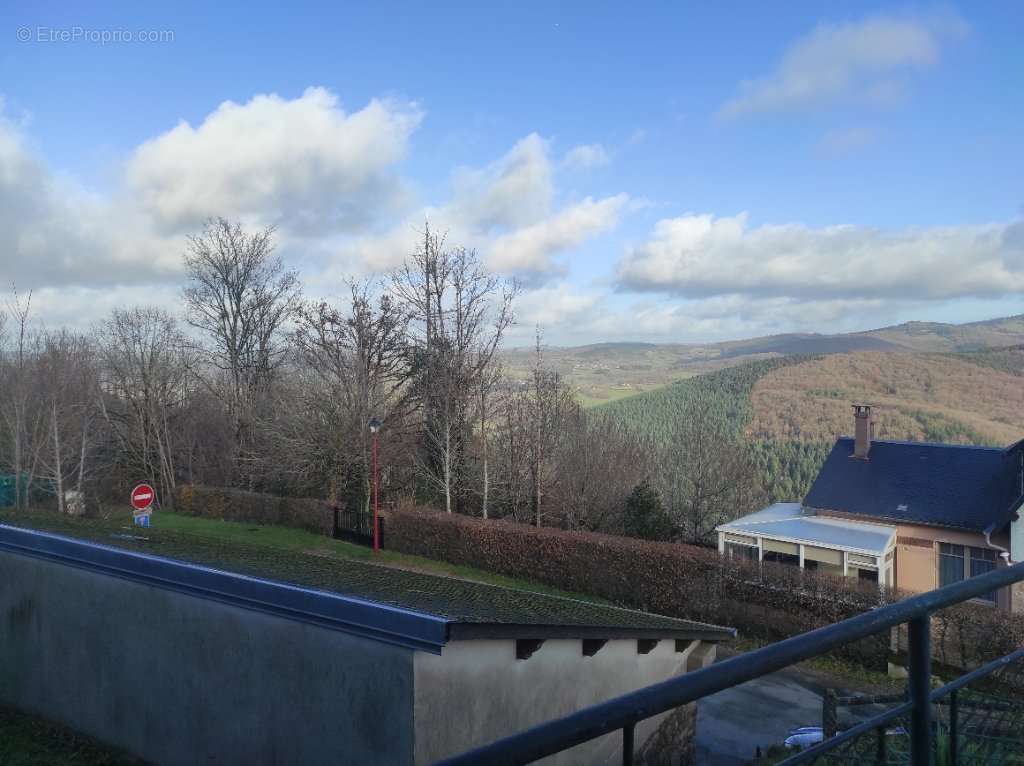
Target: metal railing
(354,526)
(623,713)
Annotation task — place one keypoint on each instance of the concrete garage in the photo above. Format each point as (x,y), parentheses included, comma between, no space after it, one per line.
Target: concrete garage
(183,664)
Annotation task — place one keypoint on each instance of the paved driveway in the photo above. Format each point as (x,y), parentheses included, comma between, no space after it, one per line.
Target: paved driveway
(734,722)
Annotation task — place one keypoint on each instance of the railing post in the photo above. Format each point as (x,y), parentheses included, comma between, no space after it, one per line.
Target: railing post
(954,730)
(829,714)
(919,687)
(627,745)
(881,754)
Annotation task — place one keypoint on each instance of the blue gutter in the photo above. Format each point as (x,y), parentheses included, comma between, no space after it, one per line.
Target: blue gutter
(347,614)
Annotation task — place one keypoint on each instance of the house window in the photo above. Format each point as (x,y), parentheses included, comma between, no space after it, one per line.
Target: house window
(958,562)
(951,563)
(983,560)
(741,551)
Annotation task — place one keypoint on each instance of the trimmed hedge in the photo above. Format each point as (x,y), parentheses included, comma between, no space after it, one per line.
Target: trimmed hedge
(254,507)
(770,601)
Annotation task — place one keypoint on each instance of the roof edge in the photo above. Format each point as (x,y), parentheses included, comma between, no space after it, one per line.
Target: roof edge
(347,614)
(467,631)
(890,520)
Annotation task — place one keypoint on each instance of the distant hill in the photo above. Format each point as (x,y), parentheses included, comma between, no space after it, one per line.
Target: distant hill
(604,372)
(936,336)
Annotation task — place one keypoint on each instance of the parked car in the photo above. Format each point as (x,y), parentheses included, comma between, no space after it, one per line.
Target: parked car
(804,736)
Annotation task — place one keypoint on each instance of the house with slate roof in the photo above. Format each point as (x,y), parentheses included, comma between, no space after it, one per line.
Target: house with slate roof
(915,516)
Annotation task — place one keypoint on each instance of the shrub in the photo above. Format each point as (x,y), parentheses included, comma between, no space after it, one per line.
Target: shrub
(770,601)
(645,515)
(254,507)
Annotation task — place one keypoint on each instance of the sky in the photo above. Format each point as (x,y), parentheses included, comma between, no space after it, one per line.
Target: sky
(663,172)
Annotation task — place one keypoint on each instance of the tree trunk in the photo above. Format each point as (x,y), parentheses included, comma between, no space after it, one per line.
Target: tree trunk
(448,467)
(483,443)
(81,459)
(58,468)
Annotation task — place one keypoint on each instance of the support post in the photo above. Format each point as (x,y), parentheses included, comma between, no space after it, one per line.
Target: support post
(829,714)
(627,745)
(919,688)
(376,520)
(954,730)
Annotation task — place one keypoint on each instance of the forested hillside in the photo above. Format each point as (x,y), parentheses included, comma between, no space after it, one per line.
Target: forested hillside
(724,395)
(788,411)
(723,398)
(918,397)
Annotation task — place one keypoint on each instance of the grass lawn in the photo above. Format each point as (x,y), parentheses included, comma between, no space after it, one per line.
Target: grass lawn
(29,741)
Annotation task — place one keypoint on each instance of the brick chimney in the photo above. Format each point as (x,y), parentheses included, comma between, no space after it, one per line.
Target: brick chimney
(863,427)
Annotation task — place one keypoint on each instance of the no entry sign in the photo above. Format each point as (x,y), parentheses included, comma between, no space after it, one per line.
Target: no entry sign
(143,497)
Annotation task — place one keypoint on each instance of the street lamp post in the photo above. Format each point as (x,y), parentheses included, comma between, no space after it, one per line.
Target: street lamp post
(374,428)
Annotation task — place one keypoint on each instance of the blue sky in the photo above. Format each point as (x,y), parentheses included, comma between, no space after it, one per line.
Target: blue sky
(671,171)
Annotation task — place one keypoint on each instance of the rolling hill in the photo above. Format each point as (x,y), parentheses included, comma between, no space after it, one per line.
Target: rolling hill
(605,372)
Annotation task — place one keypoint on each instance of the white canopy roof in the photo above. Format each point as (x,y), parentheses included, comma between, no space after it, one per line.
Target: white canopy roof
(791,523)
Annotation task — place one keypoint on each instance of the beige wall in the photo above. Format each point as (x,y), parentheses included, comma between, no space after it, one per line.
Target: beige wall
(917,549)
(477,691)
(917,566)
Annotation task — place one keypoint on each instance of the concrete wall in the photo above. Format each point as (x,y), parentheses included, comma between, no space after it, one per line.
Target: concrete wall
(183,680)
(477,692)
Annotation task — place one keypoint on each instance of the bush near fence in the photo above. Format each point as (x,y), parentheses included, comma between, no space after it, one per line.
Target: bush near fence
(770,601)
(255,507)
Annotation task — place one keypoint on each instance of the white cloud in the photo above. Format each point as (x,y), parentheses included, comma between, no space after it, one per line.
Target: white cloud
(54,233)
(529,250)
(863,61)
(556,305)
(701,256)
(572,315)
(515,190)
(506,210)
(303,161)
(585,157)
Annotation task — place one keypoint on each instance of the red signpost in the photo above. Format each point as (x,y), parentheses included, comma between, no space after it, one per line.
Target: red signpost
(142,504)
(142,497)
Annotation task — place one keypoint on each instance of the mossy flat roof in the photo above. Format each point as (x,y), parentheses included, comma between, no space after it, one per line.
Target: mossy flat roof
(472,610)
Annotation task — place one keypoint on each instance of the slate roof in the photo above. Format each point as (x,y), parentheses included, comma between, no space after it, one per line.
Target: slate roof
(788,521)
(947,485)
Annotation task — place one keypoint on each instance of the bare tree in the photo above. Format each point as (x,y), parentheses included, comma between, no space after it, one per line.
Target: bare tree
(599,463)
(147,384)
(487,383)
(67,380)
(459,314)
(22,409)
(548,405)
(357,369)
(240,296)
(708,477)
